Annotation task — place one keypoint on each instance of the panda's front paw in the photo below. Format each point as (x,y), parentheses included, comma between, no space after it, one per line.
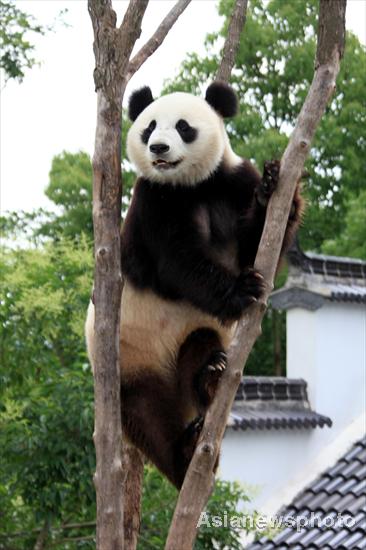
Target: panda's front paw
(250,286)
(271,173)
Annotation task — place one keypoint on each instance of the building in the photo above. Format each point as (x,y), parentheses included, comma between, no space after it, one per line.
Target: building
(286,432)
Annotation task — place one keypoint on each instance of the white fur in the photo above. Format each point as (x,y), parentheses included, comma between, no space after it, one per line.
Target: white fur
(153,329)
(198,159)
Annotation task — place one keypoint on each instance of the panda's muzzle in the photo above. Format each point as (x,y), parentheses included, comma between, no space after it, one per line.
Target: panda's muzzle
(165,165)
(161,163)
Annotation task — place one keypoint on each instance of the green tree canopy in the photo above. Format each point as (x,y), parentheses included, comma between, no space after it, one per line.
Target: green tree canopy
(16,51)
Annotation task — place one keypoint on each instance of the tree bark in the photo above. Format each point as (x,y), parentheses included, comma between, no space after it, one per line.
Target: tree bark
(199,479)
(232,41)
(112,50)
(133,465)
(157,38)
(42,537)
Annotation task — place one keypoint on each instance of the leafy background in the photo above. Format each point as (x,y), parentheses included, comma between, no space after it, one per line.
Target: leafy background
(46,389)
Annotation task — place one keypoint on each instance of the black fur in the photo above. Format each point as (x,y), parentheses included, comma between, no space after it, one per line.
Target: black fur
(148,131)
(139,100)
(186,132)
(222,98)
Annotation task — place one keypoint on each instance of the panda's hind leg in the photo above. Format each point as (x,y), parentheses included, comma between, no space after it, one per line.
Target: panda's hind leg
(154,423)
(201,363)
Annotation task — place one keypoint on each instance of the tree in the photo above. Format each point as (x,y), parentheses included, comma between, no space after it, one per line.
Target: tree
(16,50)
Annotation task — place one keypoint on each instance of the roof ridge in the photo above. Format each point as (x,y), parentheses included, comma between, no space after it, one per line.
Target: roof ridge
(335,266)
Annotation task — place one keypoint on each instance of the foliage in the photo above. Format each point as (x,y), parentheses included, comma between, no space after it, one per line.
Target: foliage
(16,51)
(159,498)
(352,239)
(70,189)
(46,416)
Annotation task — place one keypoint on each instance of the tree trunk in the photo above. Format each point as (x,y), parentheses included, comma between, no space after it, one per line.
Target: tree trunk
(133,466)
(112,50)
(42,537)
(199,478)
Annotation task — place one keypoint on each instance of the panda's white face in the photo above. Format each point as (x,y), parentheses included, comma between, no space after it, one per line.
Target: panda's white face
(178,138)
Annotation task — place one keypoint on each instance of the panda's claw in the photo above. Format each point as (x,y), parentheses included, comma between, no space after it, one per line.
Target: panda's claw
(190,437)
(270,178)
(210,375)
(250,285)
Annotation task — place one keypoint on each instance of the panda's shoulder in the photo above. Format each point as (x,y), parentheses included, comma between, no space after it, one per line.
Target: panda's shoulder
(242,173)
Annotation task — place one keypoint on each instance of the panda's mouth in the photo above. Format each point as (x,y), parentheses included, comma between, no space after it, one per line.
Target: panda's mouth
(162,164)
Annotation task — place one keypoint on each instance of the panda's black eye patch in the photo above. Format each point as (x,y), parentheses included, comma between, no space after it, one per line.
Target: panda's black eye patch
(148,131)
(186,132)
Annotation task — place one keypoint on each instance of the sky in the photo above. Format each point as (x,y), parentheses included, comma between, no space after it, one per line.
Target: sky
(54,108)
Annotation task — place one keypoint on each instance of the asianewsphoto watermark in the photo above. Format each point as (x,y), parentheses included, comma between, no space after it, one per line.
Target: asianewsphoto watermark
(260,522)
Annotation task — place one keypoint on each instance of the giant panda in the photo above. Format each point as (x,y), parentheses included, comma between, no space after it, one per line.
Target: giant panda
(188,246)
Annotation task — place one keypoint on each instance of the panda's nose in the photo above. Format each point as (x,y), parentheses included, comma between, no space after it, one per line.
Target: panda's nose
(159,148)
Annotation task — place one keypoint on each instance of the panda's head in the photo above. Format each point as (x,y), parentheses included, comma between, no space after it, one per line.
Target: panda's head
(180,138)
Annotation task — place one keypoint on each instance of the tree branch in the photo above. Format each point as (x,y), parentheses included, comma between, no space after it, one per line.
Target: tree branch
(232,41)
(199,479)
(157,38)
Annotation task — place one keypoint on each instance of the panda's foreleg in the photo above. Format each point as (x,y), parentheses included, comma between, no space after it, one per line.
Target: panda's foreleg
(268,184)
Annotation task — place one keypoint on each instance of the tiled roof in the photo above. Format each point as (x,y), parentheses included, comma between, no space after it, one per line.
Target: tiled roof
(265,402)
(328,266)
(315,279)
(333,509)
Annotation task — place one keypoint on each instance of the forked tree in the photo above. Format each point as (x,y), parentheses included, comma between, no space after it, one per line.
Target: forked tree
(118,478)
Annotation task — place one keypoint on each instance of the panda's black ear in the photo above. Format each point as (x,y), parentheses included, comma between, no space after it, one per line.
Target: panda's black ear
(222,98)
(139,100)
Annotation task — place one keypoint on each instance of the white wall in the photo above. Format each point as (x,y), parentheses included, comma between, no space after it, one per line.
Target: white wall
(263,460)
(327,348)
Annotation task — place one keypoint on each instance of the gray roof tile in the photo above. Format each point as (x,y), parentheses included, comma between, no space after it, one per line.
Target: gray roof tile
(315,279)
(353,539)
(265,402)
(360,521)
(339,492)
